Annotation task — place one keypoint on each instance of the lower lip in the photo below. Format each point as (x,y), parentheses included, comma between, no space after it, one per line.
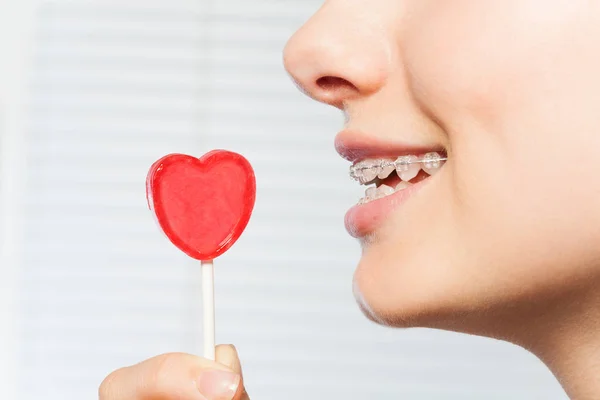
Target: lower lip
(361,220)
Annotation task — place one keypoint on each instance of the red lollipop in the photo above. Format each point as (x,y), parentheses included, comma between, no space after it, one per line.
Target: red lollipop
(203,206)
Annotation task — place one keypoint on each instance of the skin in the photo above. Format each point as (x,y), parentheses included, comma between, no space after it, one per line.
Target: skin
(505,241)
(177,376)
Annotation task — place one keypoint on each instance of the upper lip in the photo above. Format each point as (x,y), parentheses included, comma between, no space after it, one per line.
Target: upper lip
(355,145)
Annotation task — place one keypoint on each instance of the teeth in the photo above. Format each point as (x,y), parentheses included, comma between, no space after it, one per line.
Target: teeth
(407,167)
(371,193)
(386,169)
(376,193)
(366,171)
(384,190)
(369,174)
(432,162)
(402,185)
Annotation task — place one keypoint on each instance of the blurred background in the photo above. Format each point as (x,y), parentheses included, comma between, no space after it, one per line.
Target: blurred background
(91,94)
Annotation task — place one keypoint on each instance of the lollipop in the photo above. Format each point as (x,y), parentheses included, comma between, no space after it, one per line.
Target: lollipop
(203,205)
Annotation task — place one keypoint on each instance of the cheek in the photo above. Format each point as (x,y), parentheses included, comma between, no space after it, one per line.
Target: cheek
(478,61)
(515,85)
(462,36)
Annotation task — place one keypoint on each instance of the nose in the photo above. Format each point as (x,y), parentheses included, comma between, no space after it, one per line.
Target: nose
(337,56)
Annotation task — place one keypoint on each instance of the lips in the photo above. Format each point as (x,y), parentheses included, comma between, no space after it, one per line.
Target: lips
(370,155)
(355,145)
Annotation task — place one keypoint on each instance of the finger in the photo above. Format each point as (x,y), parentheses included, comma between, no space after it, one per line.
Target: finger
(172,376)
(228,356)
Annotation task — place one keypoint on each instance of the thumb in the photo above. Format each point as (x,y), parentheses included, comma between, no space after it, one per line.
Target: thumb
(227,355)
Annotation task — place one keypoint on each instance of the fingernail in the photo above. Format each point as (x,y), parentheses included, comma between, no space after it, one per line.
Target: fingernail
(218,385)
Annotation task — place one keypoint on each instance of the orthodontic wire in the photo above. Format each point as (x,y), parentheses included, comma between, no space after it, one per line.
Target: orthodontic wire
(396,163)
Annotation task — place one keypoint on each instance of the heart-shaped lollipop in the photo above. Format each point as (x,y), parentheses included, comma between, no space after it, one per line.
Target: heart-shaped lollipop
(202,204)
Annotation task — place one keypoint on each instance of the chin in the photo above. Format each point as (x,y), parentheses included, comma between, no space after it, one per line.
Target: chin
(400,292)
(386,301)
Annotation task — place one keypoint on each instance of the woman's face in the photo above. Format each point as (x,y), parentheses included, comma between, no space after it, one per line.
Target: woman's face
(510,91)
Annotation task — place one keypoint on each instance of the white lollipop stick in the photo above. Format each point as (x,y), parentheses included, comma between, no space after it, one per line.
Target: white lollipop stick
(208,305)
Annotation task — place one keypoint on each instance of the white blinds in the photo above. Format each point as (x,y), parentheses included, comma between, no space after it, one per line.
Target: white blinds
(117,84)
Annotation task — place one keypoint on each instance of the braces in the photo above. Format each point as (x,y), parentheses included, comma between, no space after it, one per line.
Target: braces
(388,163)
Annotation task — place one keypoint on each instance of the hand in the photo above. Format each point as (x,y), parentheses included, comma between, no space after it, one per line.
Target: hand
(178,376)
